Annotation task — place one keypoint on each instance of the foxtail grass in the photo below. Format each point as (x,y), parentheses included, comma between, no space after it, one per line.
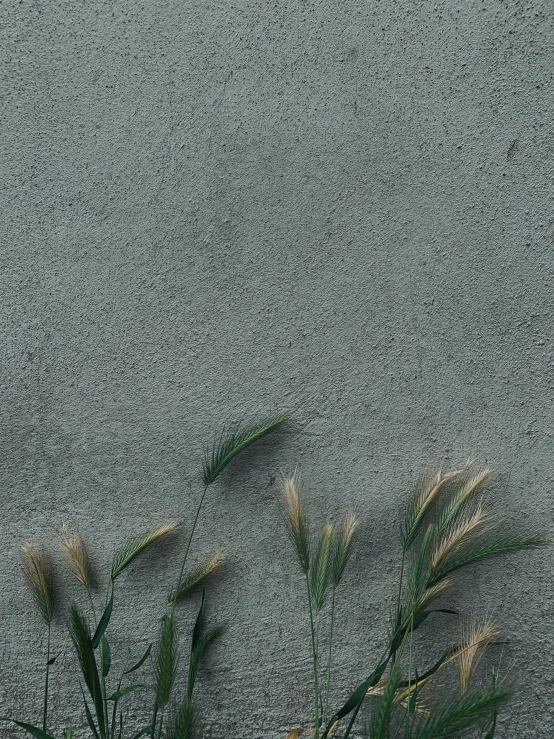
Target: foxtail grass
(442,533)
(38,569)
(77,558)
(322,561)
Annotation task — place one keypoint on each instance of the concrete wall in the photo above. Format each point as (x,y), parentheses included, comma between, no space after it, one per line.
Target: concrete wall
(339,208)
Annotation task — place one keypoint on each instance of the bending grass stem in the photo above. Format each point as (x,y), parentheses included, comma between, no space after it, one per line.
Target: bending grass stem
(328,688)
(188,549)
(45,709)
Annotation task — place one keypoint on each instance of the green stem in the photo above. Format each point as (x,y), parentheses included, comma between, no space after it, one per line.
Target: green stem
(102,677)
(154,717)
(160,724)
(187,549)
(326,714)
(45,710)
(93,608)
(315,661)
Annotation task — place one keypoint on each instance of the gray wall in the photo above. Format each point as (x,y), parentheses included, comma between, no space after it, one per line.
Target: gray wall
(339,208)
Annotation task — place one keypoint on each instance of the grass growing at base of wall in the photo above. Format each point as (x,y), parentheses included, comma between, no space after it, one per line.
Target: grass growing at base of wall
(445,529)
(102,695)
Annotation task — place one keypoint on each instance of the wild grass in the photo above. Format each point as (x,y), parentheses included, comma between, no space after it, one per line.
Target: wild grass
(445,529)
(104,705)
(322,561)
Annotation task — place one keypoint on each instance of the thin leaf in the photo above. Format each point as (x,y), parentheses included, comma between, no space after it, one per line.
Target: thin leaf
(199,643)
(124,691)
(103,623)
(136,546)
(141,661)
(80,635)
(381,716)
(106,653)
(357,697)
(90,720)
(295,733)
(32,730)
(142,732)
(233,441)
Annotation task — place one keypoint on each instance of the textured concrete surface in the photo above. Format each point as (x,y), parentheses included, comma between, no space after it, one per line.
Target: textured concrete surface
(209,210)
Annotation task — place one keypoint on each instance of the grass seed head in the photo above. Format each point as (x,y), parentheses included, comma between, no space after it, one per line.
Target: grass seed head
(38,569)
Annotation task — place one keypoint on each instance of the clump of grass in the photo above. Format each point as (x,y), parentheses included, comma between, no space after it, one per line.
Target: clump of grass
(322,560)
(445,529)
(103,707)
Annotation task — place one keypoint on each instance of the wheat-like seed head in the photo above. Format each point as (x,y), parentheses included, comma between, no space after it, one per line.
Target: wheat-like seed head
(76,556)
(460,534)
(38,569)
(402,695)
(422,502)
(297,525)
(137,545)
(477,638)
(431,594)
(343,549)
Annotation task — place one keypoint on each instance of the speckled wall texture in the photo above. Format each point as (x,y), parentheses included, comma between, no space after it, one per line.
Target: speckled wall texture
(341,208)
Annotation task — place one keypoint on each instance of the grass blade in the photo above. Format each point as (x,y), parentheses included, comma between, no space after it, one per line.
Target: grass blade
(141,661)
(90,720)
(103,623)
(80,635)
(199,642)
(124,691)
(142,732)
(106,653)
(32,730)
(356,699)
(232,442)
